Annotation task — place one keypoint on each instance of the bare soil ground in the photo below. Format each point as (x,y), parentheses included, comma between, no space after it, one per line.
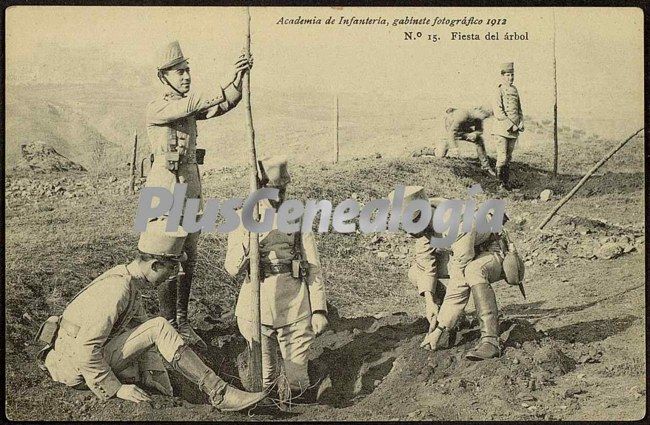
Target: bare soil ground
(575,349)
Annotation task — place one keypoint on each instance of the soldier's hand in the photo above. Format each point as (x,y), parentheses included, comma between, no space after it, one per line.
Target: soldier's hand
(242,65)
(472,136)
(430,342)
(132,393)
(431,311)
(319,323)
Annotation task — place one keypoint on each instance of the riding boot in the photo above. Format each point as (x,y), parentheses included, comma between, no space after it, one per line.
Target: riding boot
(506,176)
(182,303)
(223,396)
(167,299)
(502,175)
(486,309)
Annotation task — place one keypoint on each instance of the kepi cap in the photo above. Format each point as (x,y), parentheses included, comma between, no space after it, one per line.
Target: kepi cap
(170,55)
(507,67)
(155,240)
(513,268)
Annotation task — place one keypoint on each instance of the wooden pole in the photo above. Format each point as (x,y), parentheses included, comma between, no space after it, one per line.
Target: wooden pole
(133,160)
(337,131)
(584,179)
(255,360)
(555,141)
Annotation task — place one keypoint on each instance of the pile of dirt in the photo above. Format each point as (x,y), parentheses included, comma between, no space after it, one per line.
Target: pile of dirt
(378,363)
(40,157)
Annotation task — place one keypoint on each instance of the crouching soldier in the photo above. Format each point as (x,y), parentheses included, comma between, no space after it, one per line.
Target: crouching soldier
(477,260)
(292,292)
(428,271)
(467,125)
(172,132)
(105,343)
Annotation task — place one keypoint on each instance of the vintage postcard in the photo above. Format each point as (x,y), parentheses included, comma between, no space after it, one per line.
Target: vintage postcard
(324,213)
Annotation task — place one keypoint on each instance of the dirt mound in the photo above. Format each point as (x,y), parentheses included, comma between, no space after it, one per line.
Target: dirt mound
(40,157)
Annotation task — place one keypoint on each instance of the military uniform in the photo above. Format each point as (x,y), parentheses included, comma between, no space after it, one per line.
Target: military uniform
(105,340)
(287,303)
(463,124)
(476,262)
(508,113)
(105,336)
(171,126)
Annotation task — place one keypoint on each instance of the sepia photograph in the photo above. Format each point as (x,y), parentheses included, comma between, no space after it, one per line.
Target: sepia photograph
(261,213)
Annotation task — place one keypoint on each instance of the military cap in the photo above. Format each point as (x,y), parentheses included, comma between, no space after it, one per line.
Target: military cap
(513,268)
(170,55)
(155,240)
(274,171)
(508,67)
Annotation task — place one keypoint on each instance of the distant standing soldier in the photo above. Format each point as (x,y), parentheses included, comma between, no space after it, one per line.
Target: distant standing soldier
(292,291)
(467,124)
(509,122)
(171,127)
(104,342)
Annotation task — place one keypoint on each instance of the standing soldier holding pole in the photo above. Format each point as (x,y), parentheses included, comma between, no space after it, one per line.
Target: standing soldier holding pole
(171,127)
(510,122)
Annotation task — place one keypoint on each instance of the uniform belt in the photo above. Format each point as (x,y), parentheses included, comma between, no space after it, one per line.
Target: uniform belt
(187,158)
(269,269)
(70,328)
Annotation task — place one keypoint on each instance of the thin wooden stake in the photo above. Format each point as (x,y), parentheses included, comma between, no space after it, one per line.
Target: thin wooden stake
(133,160)
(255,363)
(555,141)
(584,179)
(337,131)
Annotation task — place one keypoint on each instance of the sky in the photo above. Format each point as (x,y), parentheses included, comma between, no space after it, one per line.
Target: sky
(599,53)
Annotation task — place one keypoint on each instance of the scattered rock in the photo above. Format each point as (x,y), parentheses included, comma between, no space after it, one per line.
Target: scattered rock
(545,195)
(609,250)
(572,391)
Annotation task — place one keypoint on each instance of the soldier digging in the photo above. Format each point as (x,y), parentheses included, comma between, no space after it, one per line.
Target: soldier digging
(509,122)
(467,124)
(477,261)
(172,132)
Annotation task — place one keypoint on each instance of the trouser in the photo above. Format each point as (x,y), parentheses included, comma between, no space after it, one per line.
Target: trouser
(442,148)
(505,146)
(130,352)
(294,341)
(174,293)
(485,268)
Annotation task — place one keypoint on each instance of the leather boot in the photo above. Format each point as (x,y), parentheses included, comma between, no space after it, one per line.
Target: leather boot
(486,309)
(182,323)
(222,396)
(167,299)
(502,176)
